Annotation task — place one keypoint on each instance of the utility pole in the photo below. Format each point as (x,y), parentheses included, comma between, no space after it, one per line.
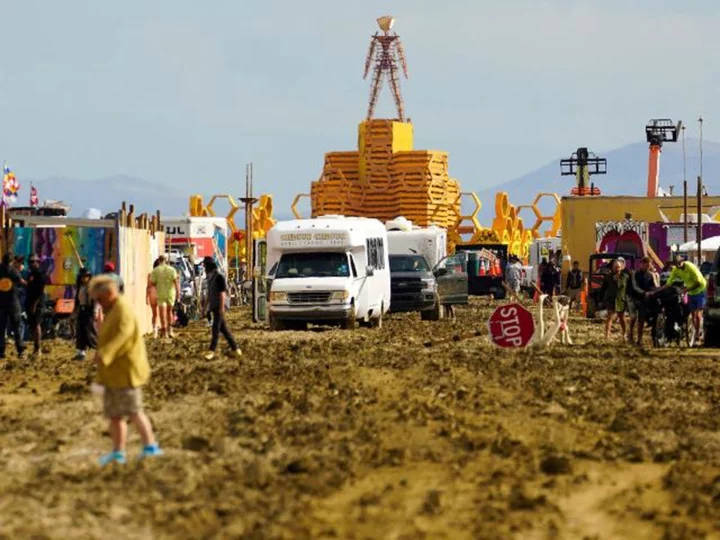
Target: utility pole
(685,191)
(699,220)
(699,197)
(249,201)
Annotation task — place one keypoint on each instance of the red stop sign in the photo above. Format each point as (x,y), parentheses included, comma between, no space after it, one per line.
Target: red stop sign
(511,325)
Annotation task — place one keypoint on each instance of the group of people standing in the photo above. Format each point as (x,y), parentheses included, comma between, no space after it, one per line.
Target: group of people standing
(21,292)
(626,291)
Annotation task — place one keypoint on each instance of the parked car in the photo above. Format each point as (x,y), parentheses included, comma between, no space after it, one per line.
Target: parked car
(712,306)
(416,287)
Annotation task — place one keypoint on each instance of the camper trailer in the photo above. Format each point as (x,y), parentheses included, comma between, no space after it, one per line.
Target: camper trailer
(406,239)
(330,269)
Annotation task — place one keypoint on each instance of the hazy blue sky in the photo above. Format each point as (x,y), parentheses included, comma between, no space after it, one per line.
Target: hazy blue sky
(186,92)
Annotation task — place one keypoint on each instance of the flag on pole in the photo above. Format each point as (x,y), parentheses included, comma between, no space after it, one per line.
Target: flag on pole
(34,200)
(10,186)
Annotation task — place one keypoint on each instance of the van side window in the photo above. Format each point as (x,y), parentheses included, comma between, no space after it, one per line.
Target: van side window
(353,270)
(376,253)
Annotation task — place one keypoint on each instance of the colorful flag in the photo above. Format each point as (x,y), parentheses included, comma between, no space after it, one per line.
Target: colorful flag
(10,186)
(34,200)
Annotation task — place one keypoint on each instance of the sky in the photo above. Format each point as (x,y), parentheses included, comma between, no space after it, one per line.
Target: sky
(185,93)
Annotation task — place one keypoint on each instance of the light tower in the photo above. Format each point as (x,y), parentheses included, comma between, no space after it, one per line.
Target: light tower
(657,132)
(386,50)
(582,165)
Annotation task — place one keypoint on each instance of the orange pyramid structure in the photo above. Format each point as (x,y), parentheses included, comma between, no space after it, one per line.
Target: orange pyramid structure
(386,178)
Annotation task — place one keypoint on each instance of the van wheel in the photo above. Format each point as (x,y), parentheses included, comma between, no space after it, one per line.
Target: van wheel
(349,323)
(377,322)
(276,325)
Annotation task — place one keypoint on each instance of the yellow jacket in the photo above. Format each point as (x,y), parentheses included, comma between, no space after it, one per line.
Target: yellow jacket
(122,349)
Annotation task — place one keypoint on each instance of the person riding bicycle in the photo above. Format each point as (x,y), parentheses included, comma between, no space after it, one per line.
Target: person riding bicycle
(695,284)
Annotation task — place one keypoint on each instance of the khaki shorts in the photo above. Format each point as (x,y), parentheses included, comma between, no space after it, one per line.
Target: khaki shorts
(574,294)
(122,402)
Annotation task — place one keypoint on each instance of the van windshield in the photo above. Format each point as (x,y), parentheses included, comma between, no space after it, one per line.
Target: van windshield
(408,263)
(294,265)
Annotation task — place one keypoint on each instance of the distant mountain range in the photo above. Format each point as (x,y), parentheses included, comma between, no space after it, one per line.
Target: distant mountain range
(627,175)
(107,194)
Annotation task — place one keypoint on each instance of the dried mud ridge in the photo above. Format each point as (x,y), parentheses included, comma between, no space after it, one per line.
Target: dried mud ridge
(416,430)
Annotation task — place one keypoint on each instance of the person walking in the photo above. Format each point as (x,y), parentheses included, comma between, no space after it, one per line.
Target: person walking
(35,302)
(550,279)
(641,284)
(18,263)
(513,277)
(123,369)
(217,301)
(167,282)
(86,314)
(575,284)
(10,310)
(614,294)
(151,299)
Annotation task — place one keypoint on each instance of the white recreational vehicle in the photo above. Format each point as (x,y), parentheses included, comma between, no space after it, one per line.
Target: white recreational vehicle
(404,238)
(331,269)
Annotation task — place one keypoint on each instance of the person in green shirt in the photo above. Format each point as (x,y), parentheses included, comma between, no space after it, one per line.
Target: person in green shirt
(695,284)
(167,284)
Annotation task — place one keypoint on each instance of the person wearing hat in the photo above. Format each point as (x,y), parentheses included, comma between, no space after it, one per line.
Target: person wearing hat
(216,303)
(35,301)
(86,313)
(109,269)
(10,310)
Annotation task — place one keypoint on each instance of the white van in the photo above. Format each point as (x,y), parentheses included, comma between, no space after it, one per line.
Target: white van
(330,269)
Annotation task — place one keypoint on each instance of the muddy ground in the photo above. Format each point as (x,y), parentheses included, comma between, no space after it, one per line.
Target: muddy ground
(411,431)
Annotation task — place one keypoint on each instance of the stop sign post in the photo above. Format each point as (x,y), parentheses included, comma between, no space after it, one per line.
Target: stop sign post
(511,326)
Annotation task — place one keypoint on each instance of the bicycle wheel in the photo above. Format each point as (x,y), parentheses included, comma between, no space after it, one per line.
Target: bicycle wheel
(659,337)
(689,332)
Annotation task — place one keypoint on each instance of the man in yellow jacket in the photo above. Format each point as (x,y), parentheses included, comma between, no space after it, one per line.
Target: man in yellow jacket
(123,369)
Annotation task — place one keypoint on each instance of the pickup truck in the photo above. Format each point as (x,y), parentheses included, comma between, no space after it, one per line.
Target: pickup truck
(415,287)
(711,326)
(480,285)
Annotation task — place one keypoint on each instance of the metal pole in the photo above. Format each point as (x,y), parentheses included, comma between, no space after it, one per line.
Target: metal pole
(684,155)
(685,211)
(700,120)
(699,219)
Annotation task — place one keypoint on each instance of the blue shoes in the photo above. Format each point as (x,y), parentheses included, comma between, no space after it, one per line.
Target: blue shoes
(151,450)
(113,457)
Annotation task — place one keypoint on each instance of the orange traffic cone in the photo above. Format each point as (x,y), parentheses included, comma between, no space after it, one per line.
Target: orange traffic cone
(481,272)
(498,270)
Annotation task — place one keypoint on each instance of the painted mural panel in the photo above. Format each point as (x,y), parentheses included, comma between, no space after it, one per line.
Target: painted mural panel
(56,247)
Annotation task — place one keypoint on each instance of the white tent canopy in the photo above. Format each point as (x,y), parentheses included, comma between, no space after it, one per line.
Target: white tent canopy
(708,244)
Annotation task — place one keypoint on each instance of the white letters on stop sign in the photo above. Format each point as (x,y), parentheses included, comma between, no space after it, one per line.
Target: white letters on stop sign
(510,328)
